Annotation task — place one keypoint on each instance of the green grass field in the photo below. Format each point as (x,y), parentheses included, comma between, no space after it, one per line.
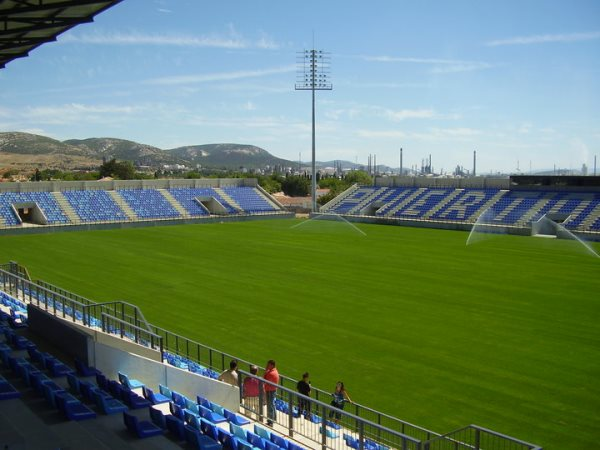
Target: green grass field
(503,333)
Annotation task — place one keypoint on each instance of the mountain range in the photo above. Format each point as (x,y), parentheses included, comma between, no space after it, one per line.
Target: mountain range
(25,150)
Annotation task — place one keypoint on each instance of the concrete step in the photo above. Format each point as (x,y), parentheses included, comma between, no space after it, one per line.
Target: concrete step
(119,200)
(66,207)
(173,201)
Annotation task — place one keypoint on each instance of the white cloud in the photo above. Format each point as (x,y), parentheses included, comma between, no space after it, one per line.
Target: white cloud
(386,58)
(374,134)
(219,76)
(230,40)
(545,38)
(77,113)
(442,65)
(433,134)
(462,67)
(404,114)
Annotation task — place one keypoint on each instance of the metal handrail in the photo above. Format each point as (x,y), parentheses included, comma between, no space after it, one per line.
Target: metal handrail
(457,443)
(156,332)
(361,424)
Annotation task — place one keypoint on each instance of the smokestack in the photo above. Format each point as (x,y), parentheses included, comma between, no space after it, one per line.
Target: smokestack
(474,162)
(594,165)
(401,163)
(375,165)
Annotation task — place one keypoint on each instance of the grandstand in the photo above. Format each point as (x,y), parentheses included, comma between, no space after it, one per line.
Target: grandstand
(121,203)
(461,203)
(127,379)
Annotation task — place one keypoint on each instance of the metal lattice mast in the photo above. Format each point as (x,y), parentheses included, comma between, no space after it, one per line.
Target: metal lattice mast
(313,75)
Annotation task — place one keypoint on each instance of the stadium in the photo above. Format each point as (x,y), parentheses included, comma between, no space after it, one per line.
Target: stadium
(459,313)
(168,249)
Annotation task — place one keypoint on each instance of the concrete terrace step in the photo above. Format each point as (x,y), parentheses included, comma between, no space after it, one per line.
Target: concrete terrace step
(491,202)
(174,203)
(229,200)
(119,200)
(447,199)
(66,207)
(405,202)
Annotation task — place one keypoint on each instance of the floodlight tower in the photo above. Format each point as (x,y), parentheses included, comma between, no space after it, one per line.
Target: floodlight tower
(313,75)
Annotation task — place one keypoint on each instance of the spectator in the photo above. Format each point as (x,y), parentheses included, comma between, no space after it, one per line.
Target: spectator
(250,390)
(271,375)
(303,387)
(340,395)
(230,375)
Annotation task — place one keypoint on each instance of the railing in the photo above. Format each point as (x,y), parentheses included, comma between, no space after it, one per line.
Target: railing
(323,424)
(125,329)
(127,321)
(474,437)
(117,318)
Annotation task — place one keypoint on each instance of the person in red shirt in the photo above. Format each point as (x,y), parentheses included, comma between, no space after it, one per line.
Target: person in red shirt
(251,391)
(271,375)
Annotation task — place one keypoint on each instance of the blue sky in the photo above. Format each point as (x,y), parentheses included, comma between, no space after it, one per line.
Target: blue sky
(518,81)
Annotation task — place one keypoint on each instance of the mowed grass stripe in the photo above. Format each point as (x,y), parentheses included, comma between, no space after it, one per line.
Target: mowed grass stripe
(502,333)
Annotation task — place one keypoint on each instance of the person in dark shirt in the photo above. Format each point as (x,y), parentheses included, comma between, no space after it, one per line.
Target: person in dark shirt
(303,387)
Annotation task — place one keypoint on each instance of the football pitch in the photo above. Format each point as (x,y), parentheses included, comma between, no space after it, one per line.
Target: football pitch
(502,333)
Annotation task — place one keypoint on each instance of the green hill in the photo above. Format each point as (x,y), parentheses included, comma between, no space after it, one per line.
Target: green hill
(20,149)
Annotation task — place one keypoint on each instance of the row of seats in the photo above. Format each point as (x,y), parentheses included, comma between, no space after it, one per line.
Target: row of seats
(149,204)
(41,372)
(467,205)
(95,206)
(100,206)
(192,420)
(45,200)
(249,199)
(184,363)
(13,310)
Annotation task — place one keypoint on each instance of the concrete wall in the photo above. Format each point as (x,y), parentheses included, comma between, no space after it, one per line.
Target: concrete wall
(111,360)
(59,186)
(141,223)
(111,354)
(456,183)
(459,226)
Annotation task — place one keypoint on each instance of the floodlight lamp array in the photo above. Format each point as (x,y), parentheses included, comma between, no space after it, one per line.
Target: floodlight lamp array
(313,70)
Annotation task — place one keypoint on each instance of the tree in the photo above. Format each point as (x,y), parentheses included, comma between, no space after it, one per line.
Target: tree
(270,184)
(358,176)
(295,186)
(122,170)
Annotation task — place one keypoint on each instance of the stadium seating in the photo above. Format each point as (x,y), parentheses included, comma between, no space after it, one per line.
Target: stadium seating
(187,198)
(249,199)
(506,208)
(95,206)
(149,204)
(141,428)
(46,202)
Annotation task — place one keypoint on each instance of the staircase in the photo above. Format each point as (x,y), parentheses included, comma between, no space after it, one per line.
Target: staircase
(120,201)
(514,205)
(492,201)
(228,199)
(443,203)
(578,210)
(539,205)
(66,207)
(265,196)
(366,200)
(590,219)
(339,198)
(405,202)
(174,203)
